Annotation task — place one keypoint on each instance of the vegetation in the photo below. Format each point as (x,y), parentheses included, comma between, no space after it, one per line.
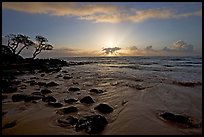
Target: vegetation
(17,43)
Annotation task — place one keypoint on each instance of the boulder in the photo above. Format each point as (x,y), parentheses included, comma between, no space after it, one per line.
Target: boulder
(18,97)
(55,104)
(104,108)
(67,77)
(68,110)
(50,84)
(96,90)
(49,99)
(87,100)
(91,124)
(73,89)
(45,91)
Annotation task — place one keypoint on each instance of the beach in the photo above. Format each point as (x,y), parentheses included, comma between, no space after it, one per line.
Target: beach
(138,89)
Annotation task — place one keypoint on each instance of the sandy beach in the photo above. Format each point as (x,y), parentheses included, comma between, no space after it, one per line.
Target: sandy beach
(137,100)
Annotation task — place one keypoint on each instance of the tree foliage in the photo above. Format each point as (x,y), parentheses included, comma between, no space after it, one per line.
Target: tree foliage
(17,43)
(41,45)
(14,42)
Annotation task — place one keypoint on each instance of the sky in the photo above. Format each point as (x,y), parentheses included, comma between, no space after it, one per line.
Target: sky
(108,28)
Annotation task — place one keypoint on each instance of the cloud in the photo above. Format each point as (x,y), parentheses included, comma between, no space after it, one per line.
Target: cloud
(179,46)
(111,50)
(98,13)
(149,48)
(133,48)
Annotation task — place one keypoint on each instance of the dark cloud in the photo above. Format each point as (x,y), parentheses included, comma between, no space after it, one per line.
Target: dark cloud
(133,48)
(111,50)
(149,48)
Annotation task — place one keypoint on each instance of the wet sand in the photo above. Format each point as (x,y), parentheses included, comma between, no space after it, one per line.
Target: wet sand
(137,102)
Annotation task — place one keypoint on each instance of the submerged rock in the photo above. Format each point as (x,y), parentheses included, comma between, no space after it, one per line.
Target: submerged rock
(32,97)
(175,118)
(9,125)
(104,108)
(70,100)
(73,89)
(87,100)
(49,99)
(67,77)
(45,91)
(50,84)
(92,124)
(18,97)
(68,110)
(96,91)
(68,121)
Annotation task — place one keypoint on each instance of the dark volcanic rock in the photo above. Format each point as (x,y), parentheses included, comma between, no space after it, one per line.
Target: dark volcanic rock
(49,99)
(41,83)
(45,91)
(175,118)
(70,100)
(9,125)
(50,84)
(74,89)
(42,75)
(87,100)
(96,91)
(104,108)
(92,124)
(32,97)
(55,104)
(18,97)
(67,77)
(37,93)
(69,110)
(68,121)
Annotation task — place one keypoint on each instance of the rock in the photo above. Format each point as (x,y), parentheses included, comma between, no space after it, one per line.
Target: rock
(87,100)
(70,100)
(64,71)
(55,104)
(42,75)
(67,77)
(33,78)
(96,91)
(32,97)
(37,93)
(45,91)
(104,108)
(50,84)
(74,89)
(49,99)
(18,97)
(175,118)
(41,83)
(68,121)
(68,110)
(92,124)
(9,125)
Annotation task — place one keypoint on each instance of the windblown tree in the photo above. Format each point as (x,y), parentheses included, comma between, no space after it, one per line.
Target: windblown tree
(14,42)
(41,45)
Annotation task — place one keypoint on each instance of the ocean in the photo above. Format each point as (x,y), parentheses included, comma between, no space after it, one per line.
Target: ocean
(185,69)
